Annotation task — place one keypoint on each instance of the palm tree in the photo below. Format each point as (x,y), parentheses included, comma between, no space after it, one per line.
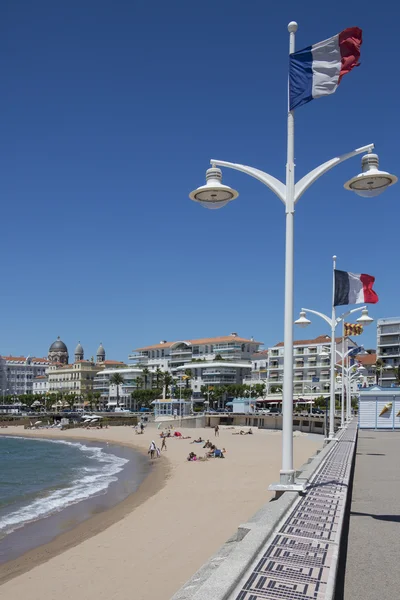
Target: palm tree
(380,365)
(187,377)
(117,379)
(89,399)
(97,396)
(167,380)
(396,373)
(146,373)
(158,377)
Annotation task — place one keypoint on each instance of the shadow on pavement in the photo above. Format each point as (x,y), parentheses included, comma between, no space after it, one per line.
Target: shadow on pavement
(393,518)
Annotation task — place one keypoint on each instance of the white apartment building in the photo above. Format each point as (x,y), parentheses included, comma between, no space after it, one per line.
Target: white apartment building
(3,377)
(108,390)
(220,360)
(21,372)
(259,368)
(388,349)
(311,376)
(40,385)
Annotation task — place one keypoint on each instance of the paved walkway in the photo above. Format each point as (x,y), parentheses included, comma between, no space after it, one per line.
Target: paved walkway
(372,567)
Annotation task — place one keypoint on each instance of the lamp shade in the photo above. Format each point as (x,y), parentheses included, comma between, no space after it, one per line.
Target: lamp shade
(302,321)
(213,194)
(371,181)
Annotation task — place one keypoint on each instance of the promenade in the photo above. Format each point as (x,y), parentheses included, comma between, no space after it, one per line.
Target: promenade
(371,569)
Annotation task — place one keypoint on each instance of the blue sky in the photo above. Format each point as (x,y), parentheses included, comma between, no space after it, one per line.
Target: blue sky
(110,113)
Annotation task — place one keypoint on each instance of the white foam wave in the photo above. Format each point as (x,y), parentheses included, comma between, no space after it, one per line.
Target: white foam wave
(84,487)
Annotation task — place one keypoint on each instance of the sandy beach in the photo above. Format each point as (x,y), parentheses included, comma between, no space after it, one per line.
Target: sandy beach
(147,546)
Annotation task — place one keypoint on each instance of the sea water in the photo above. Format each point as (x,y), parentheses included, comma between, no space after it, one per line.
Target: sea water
(41,477)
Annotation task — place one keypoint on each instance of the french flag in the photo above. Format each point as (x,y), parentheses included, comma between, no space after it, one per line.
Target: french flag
(353,288)
(317,70)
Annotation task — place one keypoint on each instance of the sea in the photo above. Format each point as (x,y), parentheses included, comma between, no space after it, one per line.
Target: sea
(41,477)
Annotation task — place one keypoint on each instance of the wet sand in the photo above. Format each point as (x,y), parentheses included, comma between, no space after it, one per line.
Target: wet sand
(147,546)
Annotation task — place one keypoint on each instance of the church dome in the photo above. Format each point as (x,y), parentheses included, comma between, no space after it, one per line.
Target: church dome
(58,345)
(100,350)
(79,349)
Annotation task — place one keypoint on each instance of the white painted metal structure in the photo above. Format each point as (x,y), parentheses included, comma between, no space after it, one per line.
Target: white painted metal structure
(216,195)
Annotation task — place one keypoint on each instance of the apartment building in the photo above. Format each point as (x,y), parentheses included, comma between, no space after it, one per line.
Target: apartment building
(312,362)
(108,390)
(3,376)
(77,378)
(21,372)
(388,349)
(40,385)
(213,361)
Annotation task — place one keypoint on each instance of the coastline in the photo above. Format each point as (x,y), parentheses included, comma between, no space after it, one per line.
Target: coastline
(152,482)
(181,514)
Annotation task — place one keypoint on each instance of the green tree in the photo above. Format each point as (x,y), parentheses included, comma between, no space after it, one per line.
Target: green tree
(90,399)
(168,380)
(380,365)
(97,396)
(259,388)
(396,373)
(159,378)
(187,377)
(70,399)
(146,373)
(117,379)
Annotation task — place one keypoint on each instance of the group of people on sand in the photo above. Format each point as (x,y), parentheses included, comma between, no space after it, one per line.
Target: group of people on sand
(154,451)
(241,432)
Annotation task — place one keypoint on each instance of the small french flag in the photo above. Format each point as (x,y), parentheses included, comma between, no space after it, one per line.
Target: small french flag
(354,288)
(317,70)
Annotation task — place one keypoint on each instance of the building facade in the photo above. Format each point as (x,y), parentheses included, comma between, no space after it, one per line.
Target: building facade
(388,350)
(21,372)
(108,390)
(213,361)
(311,374)
(40,385)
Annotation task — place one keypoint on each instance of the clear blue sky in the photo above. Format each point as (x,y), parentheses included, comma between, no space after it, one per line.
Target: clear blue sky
(110,113)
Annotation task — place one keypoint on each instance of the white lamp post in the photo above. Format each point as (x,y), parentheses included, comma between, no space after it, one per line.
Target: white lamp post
(215,195)
(302,321)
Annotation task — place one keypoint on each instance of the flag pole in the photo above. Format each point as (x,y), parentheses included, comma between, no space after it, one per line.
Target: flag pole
(344,358)
(333,359)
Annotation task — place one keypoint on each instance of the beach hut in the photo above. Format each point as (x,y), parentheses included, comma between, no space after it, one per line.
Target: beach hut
(379,408)
(171,408)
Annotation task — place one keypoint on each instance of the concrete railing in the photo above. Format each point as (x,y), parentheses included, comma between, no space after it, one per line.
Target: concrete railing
(290,548)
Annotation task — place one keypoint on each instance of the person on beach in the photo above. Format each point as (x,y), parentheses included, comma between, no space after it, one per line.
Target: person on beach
(152,450)
(216,430)
(141,426)
(164,443)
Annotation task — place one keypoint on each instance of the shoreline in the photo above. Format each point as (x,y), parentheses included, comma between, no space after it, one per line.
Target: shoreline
(181,515)
(153,481)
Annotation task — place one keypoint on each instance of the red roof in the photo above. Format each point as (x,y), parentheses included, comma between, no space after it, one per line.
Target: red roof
(321,339)
(366,359)
(201,341)
(23,359)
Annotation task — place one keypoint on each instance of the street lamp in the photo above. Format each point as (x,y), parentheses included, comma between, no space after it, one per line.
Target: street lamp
(216,195)
(333,322)
(371,181)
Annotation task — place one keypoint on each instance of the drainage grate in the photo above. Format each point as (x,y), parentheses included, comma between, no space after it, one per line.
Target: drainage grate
(295,564)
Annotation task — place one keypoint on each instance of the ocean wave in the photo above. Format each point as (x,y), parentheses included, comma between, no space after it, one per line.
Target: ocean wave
(91,482)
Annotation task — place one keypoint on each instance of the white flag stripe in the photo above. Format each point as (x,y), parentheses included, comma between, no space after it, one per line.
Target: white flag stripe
(356,291)
(325,67)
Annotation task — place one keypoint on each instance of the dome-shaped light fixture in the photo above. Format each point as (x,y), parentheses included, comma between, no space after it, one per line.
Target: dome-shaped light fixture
(361,370)
(365,319)
(371,181)
(214,194)
(302,321)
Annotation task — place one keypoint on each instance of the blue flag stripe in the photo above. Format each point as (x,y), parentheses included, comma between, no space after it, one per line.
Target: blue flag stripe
(300,77)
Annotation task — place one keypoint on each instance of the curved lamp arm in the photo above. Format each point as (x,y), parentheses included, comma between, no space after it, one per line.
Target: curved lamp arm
(304,183)
(271,182)
(349,312)
(314,312)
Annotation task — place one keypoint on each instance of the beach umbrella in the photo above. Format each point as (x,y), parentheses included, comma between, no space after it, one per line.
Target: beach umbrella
(38,422)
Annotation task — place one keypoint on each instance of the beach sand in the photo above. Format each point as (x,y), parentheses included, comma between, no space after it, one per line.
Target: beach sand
(146,547)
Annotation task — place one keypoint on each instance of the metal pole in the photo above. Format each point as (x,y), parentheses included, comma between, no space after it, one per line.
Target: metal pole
(287,472)
(333,360)
(348,395)
(344,350)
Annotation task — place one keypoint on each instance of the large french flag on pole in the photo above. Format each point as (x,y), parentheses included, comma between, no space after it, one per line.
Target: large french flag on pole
(353,288)
(317,70)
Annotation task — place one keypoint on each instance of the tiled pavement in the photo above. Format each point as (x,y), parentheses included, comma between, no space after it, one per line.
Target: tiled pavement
(300,561)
